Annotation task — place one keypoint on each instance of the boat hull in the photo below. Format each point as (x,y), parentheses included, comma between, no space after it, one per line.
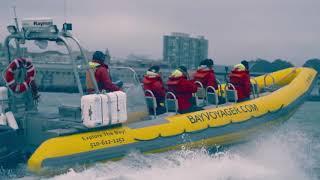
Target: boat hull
(216,126)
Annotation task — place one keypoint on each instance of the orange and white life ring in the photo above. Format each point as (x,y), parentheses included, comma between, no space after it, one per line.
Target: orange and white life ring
(29,77)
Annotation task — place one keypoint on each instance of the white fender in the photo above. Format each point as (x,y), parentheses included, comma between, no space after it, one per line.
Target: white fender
(12,121)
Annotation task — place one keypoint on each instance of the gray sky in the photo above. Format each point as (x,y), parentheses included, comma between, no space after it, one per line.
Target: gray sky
(236,29)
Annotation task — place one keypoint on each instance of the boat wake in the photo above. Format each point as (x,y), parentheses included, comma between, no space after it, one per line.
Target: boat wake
(284,154)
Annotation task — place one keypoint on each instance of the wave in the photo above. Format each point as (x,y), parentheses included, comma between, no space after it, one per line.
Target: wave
(285,153)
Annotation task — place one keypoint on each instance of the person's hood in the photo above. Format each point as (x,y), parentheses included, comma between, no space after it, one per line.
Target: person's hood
(175,80)
(150,79)
(176,73)
(236,71)
(239,67)
(94,64)
(204,68)
(201,73)
(152,74)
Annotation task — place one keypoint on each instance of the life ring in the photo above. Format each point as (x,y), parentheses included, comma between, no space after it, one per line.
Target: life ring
(29,77)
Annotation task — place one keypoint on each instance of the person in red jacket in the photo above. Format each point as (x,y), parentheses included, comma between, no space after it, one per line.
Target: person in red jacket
(152,81)
(183,88)
(240,78)
(205,74)
(101,74)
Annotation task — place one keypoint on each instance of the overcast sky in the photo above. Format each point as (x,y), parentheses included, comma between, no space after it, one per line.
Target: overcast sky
(236,29)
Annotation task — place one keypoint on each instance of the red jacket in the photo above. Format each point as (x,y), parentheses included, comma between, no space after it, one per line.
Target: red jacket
(206,77)
(102,77)
(154,84)
(241,81)
(183,90)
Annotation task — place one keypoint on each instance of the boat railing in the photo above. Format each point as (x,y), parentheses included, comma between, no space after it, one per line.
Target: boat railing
(62,36)
(200,94)
(254,87)
(212,96)
(273,82)
(231,94)
(220,87)
(134,73)
(171,103)
(151,102)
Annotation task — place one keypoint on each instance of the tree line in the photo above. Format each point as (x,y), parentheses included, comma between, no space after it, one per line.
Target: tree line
(262,65)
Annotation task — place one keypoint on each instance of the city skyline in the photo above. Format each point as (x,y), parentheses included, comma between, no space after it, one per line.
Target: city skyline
(235,30)
(184,49)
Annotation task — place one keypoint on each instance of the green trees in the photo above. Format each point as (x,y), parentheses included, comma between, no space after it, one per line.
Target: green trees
(261,65)
(313,63)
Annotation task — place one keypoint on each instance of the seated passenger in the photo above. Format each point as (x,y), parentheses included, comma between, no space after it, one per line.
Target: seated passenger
(152,81)
(205,74)
(246,65)
(240,78)
(183,88)
(101,74)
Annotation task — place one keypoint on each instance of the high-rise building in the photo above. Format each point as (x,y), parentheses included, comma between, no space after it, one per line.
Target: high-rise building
(182,49)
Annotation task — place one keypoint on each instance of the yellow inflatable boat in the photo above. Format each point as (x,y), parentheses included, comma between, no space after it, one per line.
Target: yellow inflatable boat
(225,124)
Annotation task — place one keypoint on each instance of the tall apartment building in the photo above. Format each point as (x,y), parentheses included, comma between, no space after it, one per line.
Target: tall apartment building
(182,49)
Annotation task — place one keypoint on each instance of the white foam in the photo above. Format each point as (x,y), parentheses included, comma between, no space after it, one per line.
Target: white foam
(284,154)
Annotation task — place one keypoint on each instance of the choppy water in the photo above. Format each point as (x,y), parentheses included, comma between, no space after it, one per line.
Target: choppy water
(288,152)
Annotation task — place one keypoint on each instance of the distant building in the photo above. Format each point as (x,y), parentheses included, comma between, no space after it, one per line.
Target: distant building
(182,49)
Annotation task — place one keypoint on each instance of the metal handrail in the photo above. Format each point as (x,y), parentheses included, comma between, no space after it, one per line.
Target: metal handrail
(265,80)
(92,77)
(154,102)
(219,86)
(234,88)
(57,37)
(201,89)
(215,94)
(174,97)
(135,75)
(199,83)
(74,66)
(255,93)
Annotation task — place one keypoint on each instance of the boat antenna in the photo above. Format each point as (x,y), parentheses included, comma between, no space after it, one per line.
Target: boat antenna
(65,10)
(18,52)
(15,17)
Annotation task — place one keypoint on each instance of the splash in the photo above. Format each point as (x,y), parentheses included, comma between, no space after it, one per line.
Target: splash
(287,153)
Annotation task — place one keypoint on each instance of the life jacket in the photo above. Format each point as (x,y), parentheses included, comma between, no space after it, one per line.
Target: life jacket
(89,83)
(206,77)
(154,84)
(102,77)
(241,81)
(183,90)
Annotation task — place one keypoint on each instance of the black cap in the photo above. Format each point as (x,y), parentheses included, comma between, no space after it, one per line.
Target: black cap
(245,63)
(99,56)
(207,62)
(183,69)
(154,69)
